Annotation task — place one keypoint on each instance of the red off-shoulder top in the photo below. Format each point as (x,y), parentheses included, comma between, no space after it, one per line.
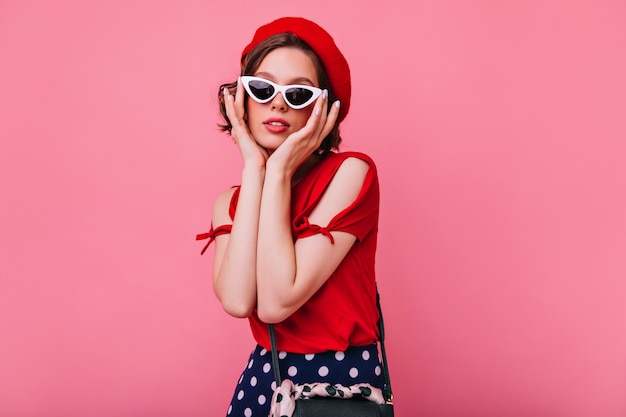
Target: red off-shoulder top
(343,311)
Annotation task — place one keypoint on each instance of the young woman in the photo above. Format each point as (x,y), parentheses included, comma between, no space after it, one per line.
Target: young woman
(295,242)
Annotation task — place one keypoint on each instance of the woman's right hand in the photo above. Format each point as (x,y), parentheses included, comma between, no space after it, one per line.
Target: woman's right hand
(251,152)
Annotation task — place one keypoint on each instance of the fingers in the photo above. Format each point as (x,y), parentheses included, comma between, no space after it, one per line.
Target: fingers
(230,106)
(239,100)
(322,122)
(329,120)
(320,112)
(319,124)
(235,106)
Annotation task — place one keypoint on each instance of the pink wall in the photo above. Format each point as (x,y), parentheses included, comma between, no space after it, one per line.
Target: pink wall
(500,136)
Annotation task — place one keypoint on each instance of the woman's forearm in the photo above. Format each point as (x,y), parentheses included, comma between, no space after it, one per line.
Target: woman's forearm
(235,275)
(276,263)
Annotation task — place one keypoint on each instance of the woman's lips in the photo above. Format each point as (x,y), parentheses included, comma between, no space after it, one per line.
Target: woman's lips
(276,125)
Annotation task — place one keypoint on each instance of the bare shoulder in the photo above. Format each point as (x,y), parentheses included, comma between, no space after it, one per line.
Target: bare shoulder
(349,177)
(342,191)
(221,207)
(353,167)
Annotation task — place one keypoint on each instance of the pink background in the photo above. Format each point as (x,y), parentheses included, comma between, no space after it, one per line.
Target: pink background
(500,135)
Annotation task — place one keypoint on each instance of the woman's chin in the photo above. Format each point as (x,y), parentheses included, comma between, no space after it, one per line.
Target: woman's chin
(270,144)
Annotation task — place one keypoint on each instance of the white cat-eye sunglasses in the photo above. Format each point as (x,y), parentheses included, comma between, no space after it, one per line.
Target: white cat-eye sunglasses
(297,96)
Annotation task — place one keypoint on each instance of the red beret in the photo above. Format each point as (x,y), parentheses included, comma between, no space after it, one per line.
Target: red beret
(322,44)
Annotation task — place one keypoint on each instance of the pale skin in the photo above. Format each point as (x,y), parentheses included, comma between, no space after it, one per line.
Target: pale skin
(258,265)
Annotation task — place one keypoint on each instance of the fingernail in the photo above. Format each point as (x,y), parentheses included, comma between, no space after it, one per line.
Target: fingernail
(225,92)
(324,94)
(337,103)
(317,112)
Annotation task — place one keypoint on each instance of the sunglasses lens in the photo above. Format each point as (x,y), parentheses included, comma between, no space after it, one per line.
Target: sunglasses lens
(261,89)
(298,96)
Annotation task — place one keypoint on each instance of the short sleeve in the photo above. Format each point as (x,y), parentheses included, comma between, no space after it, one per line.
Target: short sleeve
(223,229)
(358,219)
(212,234)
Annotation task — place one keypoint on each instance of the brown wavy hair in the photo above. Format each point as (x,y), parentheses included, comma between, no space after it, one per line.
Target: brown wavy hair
(251,62)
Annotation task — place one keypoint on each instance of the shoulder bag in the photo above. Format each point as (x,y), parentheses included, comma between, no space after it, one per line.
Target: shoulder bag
(337,400)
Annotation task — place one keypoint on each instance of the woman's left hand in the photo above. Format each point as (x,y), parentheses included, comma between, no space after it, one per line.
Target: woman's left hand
(299,146)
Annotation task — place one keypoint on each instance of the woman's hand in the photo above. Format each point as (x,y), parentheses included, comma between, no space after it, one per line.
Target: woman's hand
(299,146)
(251,152)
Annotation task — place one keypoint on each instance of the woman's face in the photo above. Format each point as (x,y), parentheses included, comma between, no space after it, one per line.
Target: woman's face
(272,122)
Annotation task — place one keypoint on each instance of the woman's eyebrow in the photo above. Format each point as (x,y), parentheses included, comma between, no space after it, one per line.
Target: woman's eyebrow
(297,80)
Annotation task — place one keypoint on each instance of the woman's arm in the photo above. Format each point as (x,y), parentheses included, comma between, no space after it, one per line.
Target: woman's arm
(234,265)
(289,273)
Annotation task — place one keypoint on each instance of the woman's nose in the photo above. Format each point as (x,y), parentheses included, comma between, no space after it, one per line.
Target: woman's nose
(278,102)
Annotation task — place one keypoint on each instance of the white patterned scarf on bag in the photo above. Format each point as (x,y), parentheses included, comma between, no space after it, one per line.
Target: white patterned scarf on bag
(285,396)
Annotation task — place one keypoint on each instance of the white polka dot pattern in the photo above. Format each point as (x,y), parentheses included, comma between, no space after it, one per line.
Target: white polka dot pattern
(256,385)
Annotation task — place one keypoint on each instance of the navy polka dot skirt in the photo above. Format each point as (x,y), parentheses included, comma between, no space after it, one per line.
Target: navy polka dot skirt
(256,385)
